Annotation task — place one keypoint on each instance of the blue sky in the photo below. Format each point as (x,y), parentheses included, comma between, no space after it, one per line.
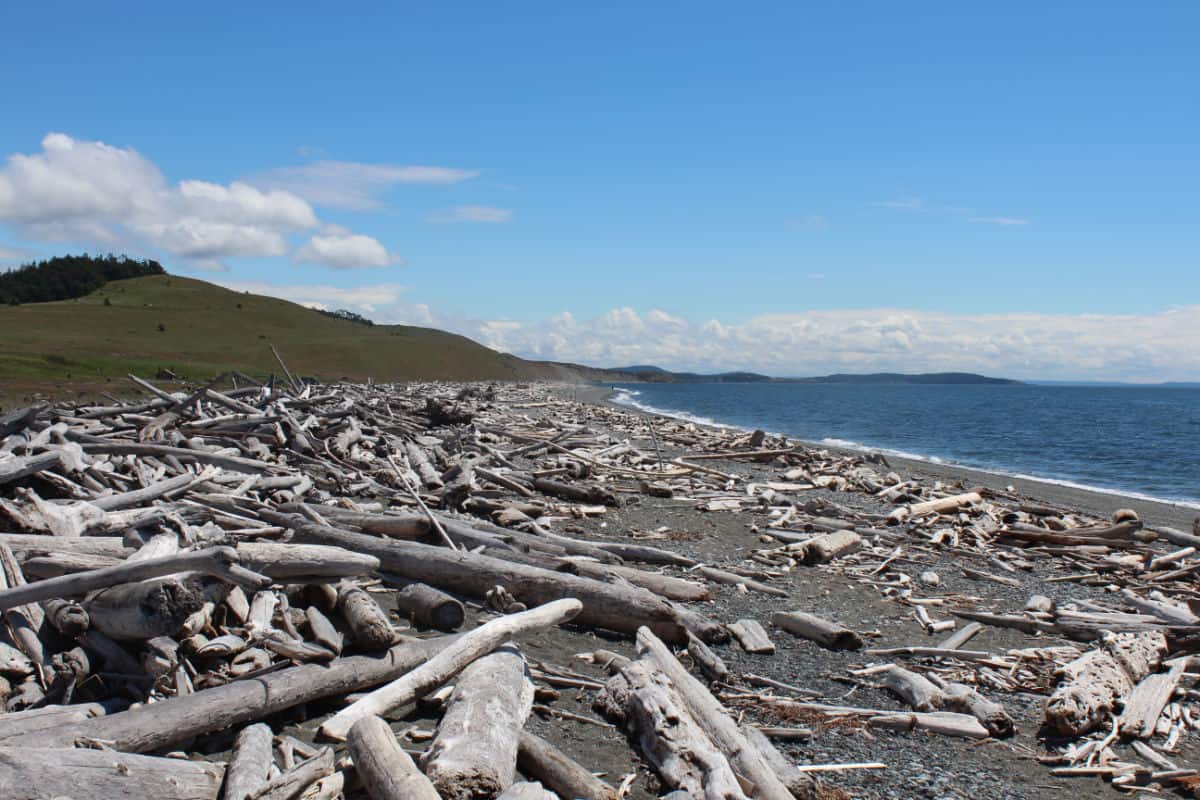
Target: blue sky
(791,173)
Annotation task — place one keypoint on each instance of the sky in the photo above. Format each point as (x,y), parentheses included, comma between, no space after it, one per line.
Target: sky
(792,188)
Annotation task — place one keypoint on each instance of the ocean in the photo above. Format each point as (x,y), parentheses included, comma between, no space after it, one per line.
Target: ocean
(1137,441)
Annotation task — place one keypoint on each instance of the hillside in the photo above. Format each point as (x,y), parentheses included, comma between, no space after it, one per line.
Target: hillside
(197,330)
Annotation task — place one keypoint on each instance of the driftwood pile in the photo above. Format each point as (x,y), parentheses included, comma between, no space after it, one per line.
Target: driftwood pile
(230,592)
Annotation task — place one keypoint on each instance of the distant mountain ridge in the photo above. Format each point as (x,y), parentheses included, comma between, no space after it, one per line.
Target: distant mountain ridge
(652,374)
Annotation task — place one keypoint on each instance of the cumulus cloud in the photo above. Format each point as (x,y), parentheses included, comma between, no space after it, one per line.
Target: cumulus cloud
(353,185)
(364,299)
(1160,346)
(345,251)
(92,192)
(472,214)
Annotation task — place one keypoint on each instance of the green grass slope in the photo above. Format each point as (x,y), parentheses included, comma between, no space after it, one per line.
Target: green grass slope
(88,345)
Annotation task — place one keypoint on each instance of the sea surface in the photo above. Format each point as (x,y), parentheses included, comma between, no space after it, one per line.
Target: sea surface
(1138,441)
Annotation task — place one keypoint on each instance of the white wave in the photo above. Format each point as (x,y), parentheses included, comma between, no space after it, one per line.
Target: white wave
(846,444)
(1087,487)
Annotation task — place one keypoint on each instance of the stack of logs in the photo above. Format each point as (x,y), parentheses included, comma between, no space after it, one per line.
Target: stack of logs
(205,570)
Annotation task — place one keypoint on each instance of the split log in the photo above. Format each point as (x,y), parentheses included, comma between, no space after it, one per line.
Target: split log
(430,608)
(386,771)
(474,753)
(32,773)
(250,767)
(156,726)
(541,760)
(1094,684)
(1144,705)
(649,706)
(448,663)
(829,635)
(613,607)
(714,720)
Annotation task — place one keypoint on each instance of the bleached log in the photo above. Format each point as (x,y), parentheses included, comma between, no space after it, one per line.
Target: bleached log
(1145,703)
(448,663)
(709,662)
(802,786)
(293,562)
(27,545)
(524,790)
(576,493)
(829,547)
(420,462)
(620,608)
(31,773)
(250,766)
(16,467)
(752,636)
(714,720)
(944,504)
(294,782)
(647,703)
(542,761)
(1091,686)
(155,726)
(474,753)
(666,586)
(732,578)
(157,607)
(386,771)
(926,695)
(829,635)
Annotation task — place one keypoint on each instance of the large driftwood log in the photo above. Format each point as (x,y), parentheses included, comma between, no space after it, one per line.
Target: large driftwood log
(673,742)
(474,753)
(714,720)
(250,766)
(158,607)
(30,773)
(619,608)
(541,760)
(386,771)
(159,725)
(830,546)
(828,634)
(925,695)
(1092,685)
(448,663)
(294,562)
(369,624)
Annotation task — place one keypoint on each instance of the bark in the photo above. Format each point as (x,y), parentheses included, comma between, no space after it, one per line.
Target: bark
(146,609)
(474,753)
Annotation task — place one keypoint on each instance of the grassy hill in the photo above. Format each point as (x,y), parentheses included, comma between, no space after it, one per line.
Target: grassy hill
(198,330)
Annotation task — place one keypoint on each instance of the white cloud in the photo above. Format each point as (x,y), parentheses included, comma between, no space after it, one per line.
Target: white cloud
(472,214)
(364,299)
(910,203)
(353,185)
(93,193)
(345,251)
(1000,220)
(13,254)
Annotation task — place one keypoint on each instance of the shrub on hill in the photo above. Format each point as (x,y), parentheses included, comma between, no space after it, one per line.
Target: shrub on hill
(68,277)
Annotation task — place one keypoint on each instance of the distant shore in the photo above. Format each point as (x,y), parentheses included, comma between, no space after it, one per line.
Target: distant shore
(1068,497)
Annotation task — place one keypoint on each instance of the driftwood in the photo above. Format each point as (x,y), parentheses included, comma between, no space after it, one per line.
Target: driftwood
(1092,685)
(387,772)
(448,663)
(828,634)
(541,760)
(31,773)
(474,753)
(250,767)
(368,623)
(430,608)
(752,636)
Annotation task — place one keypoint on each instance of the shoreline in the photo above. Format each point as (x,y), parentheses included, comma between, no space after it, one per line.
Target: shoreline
(1093,501)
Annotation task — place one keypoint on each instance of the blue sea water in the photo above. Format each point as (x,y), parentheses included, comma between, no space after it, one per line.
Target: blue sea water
(1139,441)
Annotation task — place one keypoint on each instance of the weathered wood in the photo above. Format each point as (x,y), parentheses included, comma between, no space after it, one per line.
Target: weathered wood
(155,726)
(829,635)
(292,783)
(666,586)
(474,753)
(723,576)
(430,608)
(369,624)
(613,607)
(714,720)
(448,663)
(31,773)
(1144,704)
(542,761)
(14,468)
(386,771)
(156,607)
(524,790)
(576,493)
(752,636)
(829,547)
(802,785)
(250,767)
(293,562)
(1091,686)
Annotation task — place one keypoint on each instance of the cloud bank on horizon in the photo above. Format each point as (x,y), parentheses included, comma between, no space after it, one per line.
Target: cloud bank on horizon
(88,192)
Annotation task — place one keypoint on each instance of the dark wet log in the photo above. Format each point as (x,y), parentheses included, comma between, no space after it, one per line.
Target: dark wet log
(576,493)
(430,608)
(542,761)
(474,753)
(386,771)
(168,722)
(31,773)
(369,624)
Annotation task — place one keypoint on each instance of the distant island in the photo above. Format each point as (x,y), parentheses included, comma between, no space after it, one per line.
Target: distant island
(652,374)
